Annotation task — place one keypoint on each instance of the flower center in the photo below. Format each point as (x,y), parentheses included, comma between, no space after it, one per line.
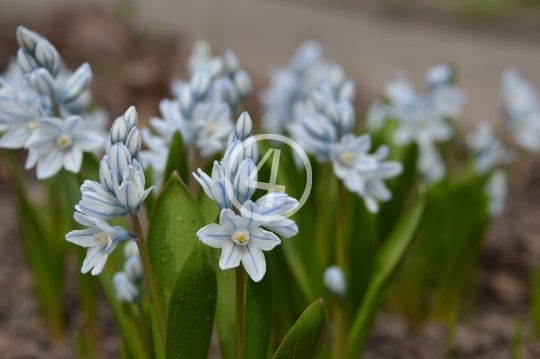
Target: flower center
(240,237)
(347,158)
(31,126)
(101,238)
(64,141)
(209,127)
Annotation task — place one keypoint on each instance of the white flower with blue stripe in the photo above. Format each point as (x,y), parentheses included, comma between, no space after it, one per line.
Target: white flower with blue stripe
(100,238)
(241,239)
(61,143)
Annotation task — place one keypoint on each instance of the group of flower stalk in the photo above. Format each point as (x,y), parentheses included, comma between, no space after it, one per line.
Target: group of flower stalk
(43,108)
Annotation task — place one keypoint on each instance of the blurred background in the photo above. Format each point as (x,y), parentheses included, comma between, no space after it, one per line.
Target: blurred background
(136,48)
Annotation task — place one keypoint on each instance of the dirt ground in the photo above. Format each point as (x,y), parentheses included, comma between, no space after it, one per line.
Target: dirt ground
(134,68)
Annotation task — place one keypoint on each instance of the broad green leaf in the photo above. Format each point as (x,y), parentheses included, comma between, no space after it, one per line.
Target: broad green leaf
(175,220)
(226,309)
(258,314)
(307,335)
(386,263)
(177,160)
(192,308)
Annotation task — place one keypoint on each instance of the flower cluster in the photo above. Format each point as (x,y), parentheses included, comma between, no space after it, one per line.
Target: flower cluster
(231,185)
(202,110)
(42,108)
(422,118)
(323,126)
(120,190)
(125,282)
(292,84)
(488,150)
(522,110)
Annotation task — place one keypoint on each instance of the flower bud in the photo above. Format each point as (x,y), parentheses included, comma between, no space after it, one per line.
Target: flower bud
(119,130)
(334,280)
(131,116)
(336,76)
(246,175)
(318,100)
(27,39)
(105,177)
(244,126)
(41,81)
(124,290)
(215,66)
(131,249)
(133,142)
(243,84)
(347,91)
(439,75)
(346,117)
(76,84)
(26,62)
(47,56)
(119,159)
(186,100)
(201,83)
(134,269)
(232,64)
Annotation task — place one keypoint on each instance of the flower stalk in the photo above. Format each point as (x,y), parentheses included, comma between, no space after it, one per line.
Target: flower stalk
(340,321)
(150,279)
(239,344)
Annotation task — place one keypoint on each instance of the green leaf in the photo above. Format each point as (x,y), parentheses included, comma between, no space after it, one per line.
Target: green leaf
(175,220)
(258,314)
(307,335)
(192,308)
(226,309)
(386,263)
(177,160)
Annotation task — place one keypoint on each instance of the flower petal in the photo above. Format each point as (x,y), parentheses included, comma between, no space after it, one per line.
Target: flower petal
(72,159)
(254,262)
(214,235)
(264,240)
(83,237)
(285,227)
(50,164)
(231,254)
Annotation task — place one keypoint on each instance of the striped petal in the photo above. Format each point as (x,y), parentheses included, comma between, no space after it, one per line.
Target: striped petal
(83,237)
(254,262)
(264,240)
(231,254)
(50,164)
(285,227)
(214,235)
(72,159)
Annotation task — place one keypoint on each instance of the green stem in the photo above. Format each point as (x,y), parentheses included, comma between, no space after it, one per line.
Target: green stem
(239,310)
(150,279)
(340,319)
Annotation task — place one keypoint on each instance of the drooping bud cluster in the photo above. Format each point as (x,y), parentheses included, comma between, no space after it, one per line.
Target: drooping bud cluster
(236,170)
(307,70)
(231,186)
(125,283)
(36,93)
(422,118)
(202,110)
(121,187)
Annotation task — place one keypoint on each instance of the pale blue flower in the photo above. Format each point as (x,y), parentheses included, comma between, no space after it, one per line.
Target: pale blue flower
(100,238)
(497,191)
(522,109)
(38,51)
(124,289)
(488,151)
(241,240)
(130,191)
(133,268)
(61,143)
(430,163)
(334,281)
(306,71)
(439,75)
(364,173)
